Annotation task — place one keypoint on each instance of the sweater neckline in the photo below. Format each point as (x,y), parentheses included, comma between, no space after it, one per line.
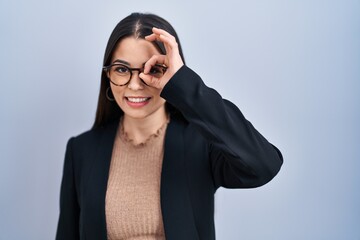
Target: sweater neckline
(128,141)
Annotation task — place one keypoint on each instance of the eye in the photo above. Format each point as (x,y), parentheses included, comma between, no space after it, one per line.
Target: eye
(156,71)
(121,70)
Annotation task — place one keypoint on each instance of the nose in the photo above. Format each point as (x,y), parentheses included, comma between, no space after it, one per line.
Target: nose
(136,83)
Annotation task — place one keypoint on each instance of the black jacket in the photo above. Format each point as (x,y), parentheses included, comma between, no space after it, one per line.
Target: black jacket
(213,146)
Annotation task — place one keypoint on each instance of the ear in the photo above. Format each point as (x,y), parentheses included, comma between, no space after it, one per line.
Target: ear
(107,74)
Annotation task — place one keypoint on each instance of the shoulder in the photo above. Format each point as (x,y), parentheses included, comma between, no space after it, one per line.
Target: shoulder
(93,136)
(84,148)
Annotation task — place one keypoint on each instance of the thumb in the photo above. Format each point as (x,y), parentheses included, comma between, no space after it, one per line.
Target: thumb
(150,80)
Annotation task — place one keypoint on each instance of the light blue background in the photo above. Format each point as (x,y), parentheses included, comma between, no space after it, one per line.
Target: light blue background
(292,67)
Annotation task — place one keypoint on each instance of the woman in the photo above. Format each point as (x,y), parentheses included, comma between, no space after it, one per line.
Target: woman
(161,145)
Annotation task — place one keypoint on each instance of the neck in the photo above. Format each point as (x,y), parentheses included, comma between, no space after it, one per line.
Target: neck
(139,129)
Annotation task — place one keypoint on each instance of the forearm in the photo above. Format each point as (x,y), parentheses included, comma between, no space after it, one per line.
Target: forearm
(254,160)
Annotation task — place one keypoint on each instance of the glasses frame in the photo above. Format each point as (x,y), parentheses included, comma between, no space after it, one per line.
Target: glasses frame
(140,70)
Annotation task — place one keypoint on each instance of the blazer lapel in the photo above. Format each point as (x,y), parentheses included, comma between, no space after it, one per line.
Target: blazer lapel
(175,199)
(97,185)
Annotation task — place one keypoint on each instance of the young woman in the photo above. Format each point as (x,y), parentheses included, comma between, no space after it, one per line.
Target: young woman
(161,145)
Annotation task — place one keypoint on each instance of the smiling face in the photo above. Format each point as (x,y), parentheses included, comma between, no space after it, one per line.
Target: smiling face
(136,99)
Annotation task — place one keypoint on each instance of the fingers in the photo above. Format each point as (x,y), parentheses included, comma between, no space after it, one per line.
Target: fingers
(155,59)
(162,32)
(171,59)
(157,37)
(148,78)
(163,36)
(152,37)
(157,32)
(151,80)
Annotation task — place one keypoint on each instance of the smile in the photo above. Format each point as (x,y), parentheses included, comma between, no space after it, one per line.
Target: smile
(137,99)
(137,102)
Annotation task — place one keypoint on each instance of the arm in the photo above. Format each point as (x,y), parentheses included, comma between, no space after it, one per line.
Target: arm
(68,225)
(240,156)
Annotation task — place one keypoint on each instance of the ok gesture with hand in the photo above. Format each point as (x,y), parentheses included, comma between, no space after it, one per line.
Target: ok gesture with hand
(172,60)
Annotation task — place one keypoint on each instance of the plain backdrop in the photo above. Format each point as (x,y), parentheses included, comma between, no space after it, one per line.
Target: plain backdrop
(292,67)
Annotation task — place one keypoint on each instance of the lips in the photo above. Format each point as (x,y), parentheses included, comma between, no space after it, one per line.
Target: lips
(137,102)
(137,99)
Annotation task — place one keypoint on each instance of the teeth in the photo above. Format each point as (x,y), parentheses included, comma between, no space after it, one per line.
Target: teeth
(137,100)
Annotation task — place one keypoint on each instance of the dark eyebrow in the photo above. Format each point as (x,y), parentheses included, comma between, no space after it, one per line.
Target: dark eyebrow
(125,62)
(121,61)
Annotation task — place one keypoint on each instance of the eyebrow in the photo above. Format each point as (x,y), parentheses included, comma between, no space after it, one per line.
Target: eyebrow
(122,61)
(125,62)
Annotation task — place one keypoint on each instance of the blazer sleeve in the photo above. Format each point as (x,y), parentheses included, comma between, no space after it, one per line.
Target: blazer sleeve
(240,156)
(68,225)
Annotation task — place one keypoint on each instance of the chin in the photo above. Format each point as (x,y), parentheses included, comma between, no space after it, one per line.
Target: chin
(144,113)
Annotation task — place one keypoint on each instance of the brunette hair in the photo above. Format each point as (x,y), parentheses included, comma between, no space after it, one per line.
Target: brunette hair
(138,25)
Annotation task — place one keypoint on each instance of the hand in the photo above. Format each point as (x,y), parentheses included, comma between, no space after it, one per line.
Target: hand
(172,59)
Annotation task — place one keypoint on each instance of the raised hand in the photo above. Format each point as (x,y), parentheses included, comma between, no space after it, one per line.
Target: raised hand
(172,60)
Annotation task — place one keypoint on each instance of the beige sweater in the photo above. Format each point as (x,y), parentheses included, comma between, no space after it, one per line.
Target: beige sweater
(132,204)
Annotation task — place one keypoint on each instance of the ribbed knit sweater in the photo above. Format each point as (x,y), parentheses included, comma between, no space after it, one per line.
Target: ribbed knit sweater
(133,208)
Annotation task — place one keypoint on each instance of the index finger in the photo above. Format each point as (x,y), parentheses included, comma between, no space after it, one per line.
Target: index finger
(152,37)
(160,31)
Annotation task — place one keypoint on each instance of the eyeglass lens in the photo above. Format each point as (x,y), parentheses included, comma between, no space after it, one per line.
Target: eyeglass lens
(121,74)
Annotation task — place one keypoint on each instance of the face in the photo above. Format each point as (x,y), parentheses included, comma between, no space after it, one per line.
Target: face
(136,99)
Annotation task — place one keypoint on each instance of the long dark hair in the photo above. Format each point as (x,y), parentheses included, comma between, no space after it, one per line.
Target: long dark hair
(138,25)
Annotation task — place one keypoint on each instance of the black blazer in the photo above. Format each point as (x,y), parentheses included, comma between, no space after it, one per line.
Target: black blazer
(212,146)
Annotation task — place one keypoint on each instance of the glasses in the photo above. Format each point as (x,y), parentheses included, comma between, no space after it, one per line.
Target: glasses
(120,74)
